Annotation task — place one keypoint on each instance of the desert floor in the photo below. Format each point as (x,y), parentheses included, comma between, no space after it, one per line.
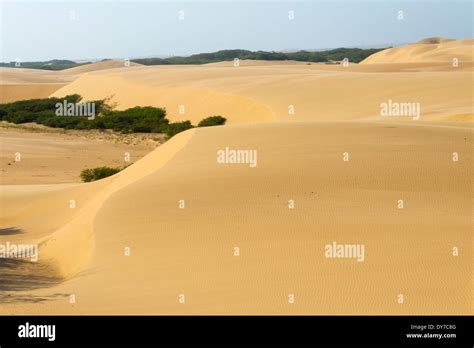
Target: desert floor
(52,156)
(179,233)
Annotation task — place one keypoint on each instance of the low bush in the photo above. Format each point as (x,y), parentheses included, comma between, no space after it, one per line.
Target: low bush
(93,174)
(174,128)
(146,119)
(212,121)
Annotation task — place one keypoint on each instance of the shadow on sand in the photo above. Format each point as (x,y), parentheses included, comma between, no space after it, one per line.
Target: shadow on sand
(10,231)
(20,276)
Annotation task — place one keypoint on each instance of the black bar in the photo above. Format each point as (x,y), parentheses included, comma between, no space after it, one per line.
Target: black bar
(288,330)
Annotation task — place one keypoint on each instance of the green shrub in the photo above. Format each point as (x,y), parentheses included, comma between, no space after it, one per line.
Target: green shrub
(145,119)
(178,127)
(353,54)
(212,121)
(93,174)
(43,111)
(138,119)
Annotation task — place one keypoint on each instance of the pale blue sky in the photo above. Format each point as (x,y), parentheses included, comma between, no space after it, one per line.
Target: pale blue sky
(38,30)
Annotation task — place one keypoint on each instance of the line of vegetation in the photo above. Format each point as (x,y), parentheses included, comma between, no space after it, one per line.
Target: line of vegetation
(354,55)
(138,119)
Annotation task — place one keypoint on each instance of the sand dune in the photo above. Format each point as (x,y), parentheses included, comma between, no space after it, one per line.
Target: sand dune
(426,51)
(37,76)
(21,76)
(190,250)
(21,83)
(262,93)
(103,65)
(10,93)
(40,152)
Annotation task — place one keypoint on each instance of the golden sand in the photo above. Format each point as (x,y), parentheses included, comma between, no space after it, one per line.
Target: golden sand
(180,233)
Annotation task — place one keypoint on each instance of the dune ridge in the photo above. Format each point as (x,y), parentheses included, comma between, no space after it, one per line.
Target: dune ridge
(67,250)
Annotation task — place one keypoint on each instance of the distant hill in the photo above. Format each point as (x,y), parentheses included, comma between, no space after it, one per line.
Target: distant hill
(354,55)
(55,64)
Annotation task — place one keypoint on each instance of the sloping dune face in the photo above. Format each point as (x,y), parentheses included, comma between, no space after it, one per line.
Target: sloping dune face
(66,238)
(19,84)
(10,92)
(20,76)
(426,51)
(243,237)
